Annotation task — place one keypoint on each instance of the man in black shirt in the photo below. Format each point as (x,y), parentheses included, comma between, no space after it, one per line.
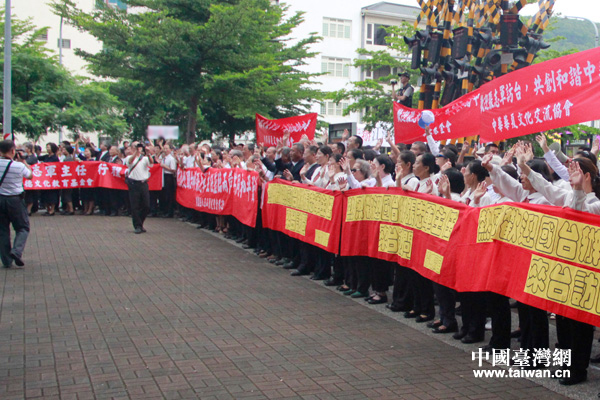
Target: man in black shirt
(405,94)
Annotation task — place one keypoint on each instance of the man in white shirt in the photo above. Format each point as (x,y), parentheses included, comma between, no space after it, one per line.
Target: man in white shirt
(12,208)
(137,179)
(169,165)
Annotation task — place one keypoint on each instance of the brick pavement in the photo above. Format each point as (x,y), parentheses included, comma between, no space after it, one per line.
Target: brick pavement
(178,313)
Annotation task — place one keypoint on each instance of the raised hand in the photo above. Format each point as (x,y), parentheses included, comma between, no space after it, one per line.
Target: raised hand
(508,156)
(288,175)
(444,186)
(528,151)
(596,146)
(447,165)
(541,139)
(479,192)
(345,135)
(342,182)
(465,148)
(486,162)
(378,145)
(429,187)
(345,165)
(576,176)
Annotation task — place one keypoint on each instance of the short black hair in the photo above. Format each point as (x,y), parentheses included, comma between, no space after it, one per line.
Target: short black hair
(341,147)
(428,160)
(456,179)
(370,154)
(53,147)
(313,149)
(359,140)
(326,150)
(386,161)
(357,154)
(69,149)
(408,156)
(510,171)
(490,145)
(6,146)
(476,168)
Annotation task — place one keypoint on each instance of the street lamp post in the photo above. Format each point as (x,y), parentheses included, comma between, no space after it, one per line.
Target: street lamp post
(7,92)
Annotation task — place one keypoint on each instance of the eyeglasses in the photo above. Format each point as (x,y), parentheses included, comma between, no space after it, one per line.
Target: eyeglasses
(354,170)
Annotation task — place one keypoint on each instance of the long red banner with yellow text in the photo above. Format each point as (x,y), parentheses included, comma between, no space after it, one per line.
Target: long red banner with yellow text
(310,214)
(544,256)
(85,174)
(223,191)
(556,93)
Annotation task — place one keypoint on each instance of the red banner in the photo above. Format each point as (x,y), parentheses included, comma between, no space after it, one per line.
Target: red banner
(543,256)
(305,212)
(556,93)
(270,131)
(223,191)
(85,174)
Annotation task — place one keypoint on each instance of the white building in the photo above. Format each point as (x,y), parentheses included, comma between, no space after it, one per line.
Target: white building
(345,26)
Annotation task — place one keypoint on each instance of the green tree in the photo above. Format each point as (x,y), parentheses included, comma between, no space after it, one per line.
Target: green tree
(225,58)
(46,97)
(372,95)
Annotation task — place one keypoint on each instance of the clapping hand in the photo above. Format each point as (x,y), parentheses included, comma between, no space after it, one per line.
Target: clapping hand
(342,182)
(479,192)
(288,175)
(486,162)
(541,139)
(428,187)
(444,186)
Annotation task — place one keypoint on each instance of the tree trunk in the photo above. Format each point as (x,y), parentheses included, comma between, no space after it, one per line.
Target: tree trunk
(190,135)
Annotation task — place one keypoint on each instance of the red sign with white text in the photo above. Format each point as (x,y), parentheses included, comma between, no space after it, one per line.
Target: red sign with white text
(270,131)
(221,191)
(85,174)
(556,93)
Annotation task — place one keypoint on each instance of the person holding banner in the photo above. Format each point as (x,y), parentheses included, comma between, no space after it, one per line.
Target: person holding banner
(138,173)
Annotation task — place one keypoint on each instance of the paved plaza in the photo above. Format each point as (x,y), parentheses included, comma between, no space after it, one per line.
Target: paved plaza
(180,313)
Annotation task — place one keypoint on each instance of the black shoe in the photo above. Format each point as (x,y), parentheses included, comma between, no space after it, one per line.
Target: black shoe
(240,240)
(439,329)
(143,230)
(138,231)
(331,282)
(395,308)
(421,319)
(246,247)
(381,300)
(298,273)
(468,339)
(487,348)
(517,334)
(289,265)
(575,378)
(317,278)
(410,314)
(459,335)
(17,259)
(434,324)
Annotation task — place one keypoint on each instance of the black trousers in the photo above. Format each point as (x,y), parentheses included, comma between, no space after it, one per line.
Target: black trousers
(447,300)
(12,211)
(360,277)
(578,337)
(168,195)
(534,327)
(381,274)
(473,313)
(402,296)
(139,200)
(499,310)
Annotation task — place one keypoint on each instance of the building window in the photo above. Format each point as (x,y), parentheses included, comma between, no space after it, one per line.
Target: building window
(337,28)
(381,72)
(339,67)
(330,108)
(376,34)
(43,37)
(66,43)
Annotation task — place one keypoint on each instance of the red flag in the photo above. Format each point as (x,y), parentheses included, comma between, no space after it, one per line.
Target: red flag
(270,131)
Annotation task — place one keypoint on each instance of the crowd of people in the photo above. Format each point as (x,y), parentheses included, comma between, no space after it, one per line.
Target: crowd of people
(487,176)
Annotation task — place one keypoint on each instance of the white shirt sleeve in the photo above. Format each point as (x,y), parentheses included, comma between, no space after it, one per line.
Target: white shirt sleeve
(556,195)
(433,145)
(585,202)
(556,165)
(353,183)
(507,185)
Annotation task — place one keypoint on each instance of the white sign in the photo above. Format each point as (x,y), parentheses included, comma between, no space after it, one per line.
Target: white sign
(371,137)
(165,131)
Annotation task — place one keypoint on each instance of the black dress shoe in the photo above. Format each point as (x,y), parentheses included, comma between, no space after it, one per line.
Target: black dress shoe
(468,339)
(317,278)
(246,247)
(444,329)
(380,300)
(138,231)
(487,348)
(575,378)
(459,335)
(17,259)
(421,319)
(288,265)
(410,314)
(240,240)
(298,273)
(331,282)
(434,324)
(395,308)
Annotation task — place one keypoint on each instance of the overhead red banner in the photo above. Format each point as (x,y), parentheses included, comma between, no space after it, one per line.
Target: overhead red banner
(221,191)
(310,214)
(270,131)
(553,94)
(85,174)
